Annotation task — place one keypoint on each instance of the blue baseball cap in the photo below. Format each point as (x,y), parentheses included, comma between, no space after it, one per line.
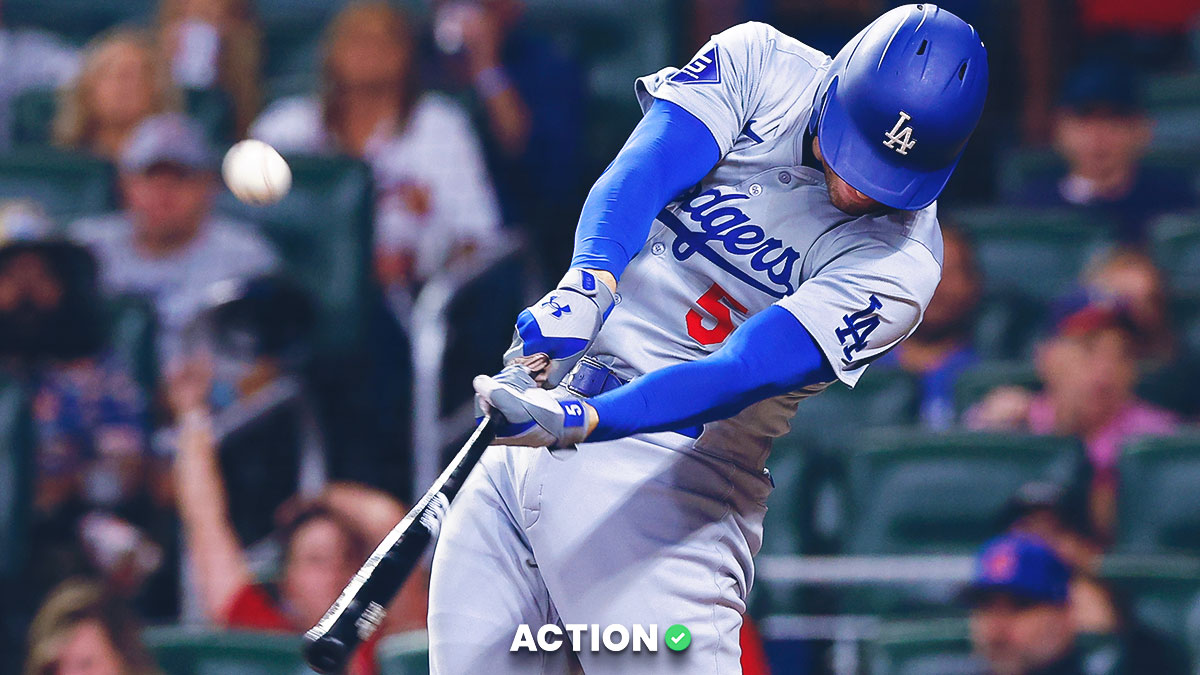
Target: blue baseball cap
(1020,566)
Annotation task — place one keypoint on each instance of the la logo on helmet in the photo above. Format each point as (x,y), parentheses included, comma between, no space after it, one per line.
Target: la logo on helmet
(900,137)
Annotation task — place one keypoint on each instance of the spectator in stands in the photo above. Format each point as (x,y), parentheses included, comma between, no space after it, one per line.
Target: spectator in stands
(1102,132)
(1088,366)
(92,469)
(1132,277)
(215,44)
(1020,616)
(324,542)
(1046,511)
(167,243)
(435,200)
(82,630)
(941,348)
(533,98)
(30,59)
(123,81)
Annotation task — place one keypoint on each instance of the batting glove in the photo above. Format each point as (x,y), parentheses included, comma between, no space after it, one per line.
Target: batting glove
(563,324)
(533,416)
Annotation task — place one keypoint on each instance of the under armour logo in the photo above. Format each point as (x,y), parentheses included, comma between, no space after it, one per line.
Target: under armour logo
(900,137)
(557,309)
(859,326)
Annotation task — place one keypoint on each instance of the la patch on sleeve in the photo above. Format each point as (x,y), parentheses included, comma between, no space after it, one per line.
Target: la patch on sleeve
(704,69)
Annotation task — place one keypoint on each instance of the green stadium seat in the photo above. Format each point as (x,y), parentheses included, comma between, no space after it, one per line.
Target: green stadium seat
(1186,310)
(884,397)
(16,455)
(931,647)
(33,116)
(322,228)
(918,493)
(1175,243)
(403,654)
(982,378)
(77,20)
(1170,90)
(1163,591)
(1175,128)
(1007,326)
(182,650)
(132,327)
(1038,253)
(1159,505)
(65,184)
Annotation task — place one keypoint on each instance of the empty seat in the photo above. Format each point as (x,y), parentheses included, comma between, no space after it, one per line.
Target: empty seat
(16,458)
(1158,503)
(66,184)
(980,379)
(182,650)
(883,397)
(1175,242)
(913,492)
(1007,326)
(1038,253)
(322,229)
(1163,592)
(933,647)
(403,654)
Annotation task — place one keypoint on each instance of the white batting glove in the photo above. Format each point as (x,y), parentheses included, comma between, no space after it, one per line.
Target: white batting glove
(534,417)
(562,324)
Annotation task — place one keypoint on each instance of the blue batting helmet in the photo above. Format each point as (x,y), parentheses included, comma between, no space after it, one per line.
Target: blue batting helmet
(899,103)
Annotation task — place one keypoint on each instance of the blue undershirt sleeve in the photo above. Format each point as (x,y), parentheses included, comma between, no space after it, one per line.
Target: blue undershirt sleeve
(770,354)
(669,151)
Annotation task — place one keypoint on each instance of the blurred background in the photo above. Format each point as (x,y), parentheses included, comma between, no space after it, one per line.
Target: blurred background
(441,151)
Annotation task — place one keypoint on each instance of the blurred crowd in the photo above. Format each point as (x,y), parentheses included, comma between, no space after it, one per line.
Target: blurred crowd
(228,470)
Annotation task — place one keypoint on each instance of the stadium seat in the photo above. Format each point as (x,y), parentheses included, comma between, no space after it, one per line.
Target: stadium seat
(982,378)
(932,647)
(66,184)
(919,493)
(1158,503)
(1172,90)
(32,116)
(884,397)
(1034,252)
(77,20)
(182,650)
(1175,243)
(403,654)
(1163,591)
(323,231)
(1175,128)
(16,455)
(1186,310)
(1007,326)
(132,327)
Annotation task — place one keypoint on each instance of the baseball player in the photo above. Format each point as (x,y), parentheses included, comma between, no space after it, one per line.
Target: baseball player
(768,228)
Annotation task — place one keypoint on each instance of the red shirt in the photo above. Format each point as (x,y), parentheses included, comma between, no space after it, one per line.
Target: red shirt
(754,655)
(253,608)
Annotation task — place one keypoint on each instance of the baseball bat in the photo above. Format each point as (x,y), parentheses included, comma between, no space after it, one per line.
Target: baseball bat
(360,608)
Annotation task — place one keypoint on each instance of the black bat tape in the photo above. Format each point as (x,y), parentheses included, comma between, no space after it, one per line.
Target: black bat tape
(360,609)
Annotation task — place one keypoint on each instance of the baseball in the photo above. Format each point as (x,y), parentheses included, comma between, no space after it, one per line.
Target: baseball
(256,173)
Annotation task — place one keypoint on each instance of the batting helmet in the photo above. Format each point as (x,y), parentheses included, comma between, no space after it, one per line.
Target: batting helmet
(899,103)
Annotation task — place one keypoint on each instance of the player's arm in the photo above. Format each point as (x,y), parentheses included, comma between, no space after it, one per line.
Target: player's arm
(668,151)
(769,355)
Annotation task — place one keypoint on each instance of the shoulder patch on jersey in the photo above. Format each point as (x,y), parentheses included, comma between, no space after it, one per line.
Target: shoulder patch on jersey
(704,69)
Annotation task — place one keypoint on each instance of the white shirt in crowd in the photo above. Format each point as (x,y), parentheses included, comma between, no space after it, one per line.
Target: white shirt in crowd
(177,284)
(432,185)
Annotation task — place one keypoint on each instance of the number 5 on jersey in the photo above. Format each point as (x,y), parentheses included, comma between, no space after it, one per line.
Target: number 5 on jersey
(717,303)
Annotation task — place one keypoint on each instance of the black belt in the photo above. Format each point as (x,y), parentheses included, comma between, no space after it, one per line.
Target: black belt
(592,378)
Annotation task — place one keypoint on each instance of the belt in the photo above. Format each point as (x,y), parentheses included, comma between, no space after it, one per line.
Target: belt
(592,378)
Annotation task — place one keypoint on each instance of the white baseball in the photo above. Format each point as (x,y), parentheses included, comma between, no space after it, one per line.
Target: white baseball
(256,173)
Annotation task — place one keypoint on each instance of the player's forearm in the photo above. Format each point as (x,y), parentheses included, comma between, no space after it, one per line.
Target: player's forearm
(667,152)
(769,355)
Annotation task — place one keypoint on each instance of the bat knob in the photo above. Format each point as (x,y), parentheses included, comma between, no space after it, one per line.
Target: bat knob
(325,654)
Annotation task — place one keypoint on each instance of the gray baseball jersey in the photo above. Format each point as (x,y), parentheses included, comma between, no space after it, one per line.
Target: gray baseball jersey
(653,528)
(760,230)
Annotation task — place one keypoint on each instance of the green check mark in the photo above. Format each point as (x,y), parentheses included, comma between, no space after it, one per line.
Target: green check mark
(678,637)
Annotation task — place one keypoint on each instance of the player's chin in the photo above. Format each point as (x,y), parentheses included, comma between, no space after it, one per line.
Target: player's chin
(855,207)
